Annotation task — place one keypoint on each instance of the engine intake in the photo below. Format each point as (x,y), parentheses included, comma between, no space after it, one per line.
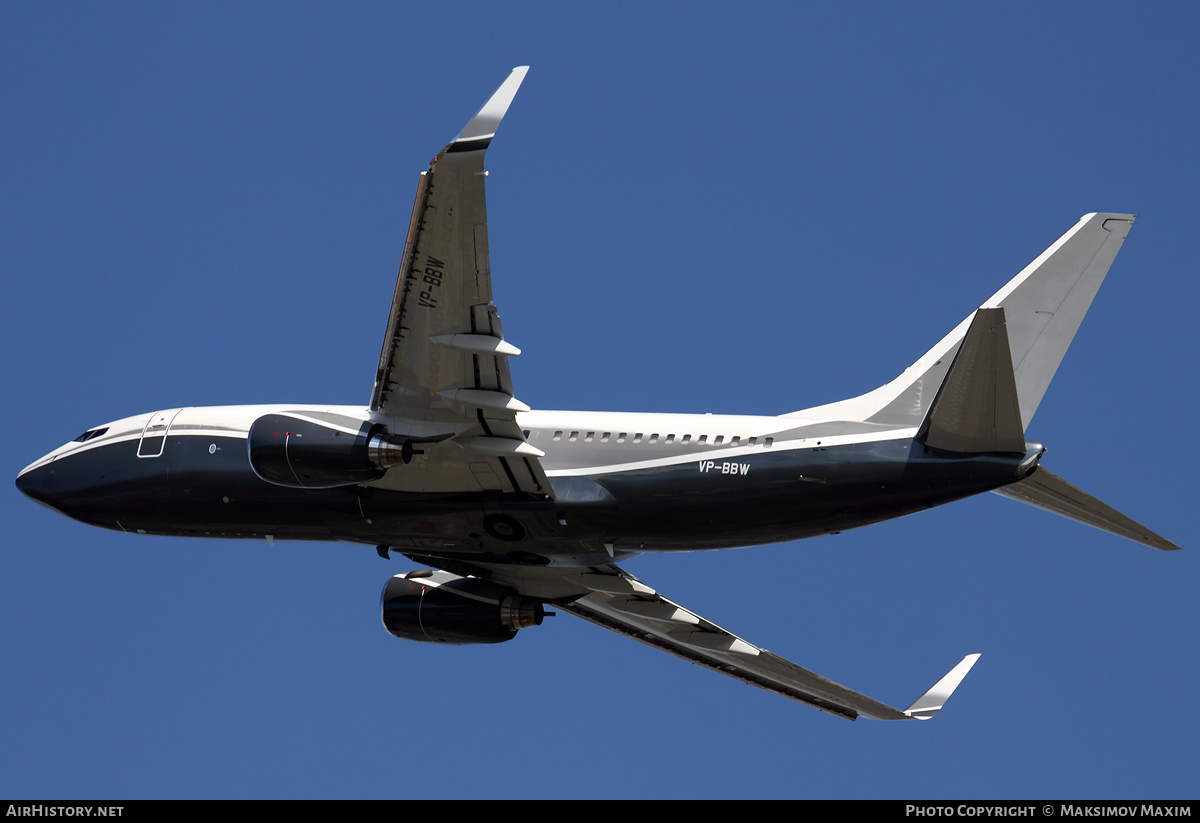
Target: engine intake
(291,451)
(439,607)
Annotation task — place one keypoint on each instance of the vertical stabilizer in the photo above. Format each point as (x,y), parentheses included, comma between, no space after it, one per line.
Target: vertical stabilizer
(976,409)
(1046,302)
(1043,305)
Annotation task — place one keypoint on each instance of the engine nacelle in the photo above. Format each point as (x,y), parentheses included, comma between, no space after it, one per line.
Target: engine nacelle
(292,451)
(439,607)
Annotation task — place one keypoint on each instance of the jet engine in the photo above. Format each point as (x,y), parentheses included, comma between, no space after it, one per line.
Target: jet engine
(292,451)
(439,607)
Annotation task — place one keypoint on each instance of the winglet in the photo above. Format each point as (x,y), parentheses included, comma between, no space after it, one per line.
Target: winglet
(930,703)
(478,133)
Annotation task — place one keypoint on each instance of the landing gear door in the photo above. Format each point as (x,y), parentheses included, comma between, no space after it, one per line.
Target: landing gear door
(154,436)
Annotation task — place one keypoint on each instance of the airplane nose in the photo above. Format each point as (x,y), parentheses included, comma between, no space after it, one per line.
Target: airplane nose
(68,488)
(25,482)
(35,483)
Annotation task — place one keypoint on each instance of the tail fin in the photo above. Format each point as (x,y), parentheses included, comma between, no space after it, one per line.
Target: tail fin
(976,409)
(1043,307)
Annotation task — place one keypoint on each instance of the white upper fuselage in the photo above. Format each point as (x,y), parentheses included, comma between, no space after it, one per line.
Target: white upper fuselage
(574,442)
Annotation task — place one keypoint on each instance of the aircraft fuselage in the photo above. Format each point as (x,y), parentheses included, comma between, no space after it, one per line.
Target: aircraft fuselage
(623,484)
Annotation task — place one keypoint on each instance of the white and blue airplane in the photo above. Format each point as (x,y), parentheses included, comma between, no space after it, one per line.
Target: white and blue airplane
(515,510)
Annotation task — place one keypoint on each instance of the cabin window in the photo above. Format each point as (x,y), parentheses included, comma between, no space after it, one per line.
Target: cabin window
(587,438)
(653,438)
(687,438)
(670,438)
(737,439)
(702,439)
(752,441)
(557,436)
(574,436)
(637,438)
(621,437)
(767,443)
(604,437)
(717,442)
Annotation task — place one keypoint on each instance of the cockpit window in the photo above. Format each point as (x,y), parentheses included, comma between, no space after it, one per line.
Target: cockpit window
(90,434)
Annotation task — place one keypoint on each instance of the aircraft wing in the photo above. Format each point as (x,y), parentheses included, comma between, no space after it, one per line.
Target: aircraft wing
(616,600)
(443,372)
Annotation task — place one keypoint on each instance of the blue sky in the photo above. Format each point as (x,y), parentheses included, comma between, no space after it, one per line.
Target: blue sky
(691,208)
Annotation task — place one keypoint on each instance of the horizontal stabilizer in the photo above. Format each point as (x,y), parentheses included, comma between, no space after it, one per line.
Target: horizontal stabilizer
(930,703)
(1048,491)
(976,409)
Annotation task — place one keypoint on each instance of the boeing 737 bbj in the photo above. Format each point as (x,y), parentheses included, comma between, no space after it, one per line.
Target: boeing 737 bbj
(515,510)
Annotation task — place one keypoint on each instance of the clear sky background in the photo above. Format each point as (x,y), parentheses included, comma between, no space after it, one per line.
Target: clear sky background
(692,208)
